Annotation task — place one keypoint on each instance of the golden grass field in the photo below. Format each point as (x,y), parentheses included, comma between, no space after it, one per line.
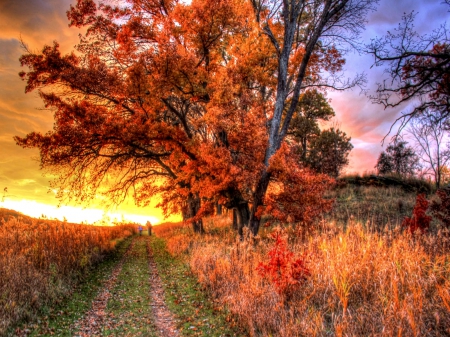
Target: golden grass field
(363,274)
(363,280)
(41,260)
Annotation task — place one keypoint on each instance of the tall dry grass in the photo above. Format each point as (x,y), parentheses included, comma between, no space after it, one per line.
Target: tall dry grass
(41,260)
(361,283)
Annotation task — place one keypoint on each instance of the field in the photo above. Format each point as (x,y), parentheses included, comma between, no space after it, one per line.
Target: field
(360,274)
(357,272)
(42,260)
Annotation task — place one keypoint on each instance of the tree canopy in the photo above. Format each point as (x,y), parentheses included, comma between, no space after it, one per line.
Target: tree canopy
(399,159)
(312,108)
(329,152)
(189,101)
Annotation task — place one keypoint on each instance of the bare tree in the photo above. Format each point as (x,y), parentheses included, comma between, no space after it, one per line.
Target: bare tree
(310,27)
(418,67)
(430,136)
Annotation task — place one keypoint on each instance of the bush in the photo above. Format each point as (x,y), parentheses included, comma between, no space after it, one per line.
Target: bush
(419,221)
(285,271)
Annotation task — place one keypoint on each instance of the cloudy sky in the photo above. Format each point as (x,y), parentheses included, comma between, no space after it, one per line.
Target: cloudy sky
(40,22)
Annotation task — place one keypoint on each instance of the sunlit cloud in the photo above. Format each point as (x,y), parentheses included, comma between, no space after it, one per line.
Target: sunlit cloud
(24,182)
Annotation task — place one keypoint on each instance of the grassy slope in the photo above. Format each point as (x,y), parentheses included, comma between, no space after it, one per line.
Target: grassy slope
(372,206)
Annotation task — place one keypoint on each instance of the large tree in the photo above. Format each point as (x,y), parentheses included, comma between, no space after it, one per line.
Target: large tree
(130,104)
(186,100)
(300,32)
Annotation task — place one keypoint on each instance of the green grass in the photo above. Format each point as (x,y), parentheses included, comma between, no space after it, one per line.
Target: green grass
(57,320)
(129,308)
(196,314)
(373,206)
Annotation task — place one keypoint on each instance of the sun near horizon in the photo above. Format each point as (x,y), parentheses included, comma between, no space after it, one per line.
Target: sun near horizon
(86,215)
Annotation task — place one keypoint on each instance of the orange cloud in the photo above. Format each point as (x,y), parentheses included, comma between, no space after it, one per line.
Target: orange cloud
(37,23)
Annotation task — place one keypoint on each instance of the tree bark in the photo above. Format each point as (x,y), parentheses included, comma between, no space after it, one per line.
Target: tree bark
(235,223)
(243,217)
(193,204)
(258,200)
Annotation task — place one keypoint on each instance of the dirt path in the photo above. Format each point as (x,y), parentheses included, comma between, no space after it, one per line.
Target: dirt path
(92,323)
(131,302)
(163,318)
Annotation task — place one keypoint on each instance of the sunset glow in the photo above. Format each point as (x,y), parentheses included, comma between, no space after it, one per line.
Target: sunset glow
(40,23)
(224,167)
(75,214)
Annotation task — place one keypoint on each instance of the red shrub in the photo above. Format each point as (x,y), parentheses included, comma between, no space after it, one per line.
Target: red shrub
(419,221)
(284,270)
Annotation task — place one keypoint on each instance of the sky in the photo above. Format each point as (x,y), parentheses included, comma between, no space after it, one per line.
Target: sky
(40,22)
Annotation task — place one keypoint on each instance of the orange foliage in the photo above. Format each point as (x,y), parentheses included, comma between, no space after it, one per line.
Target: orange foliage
(169,98)
(284,270)
(297,196)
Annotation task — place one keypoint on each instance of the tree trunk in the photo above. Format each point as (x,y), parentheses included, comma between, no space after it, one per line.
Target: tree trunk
(258,200)
(218,209)
(235,223)
(304,149)
(243,217)
(192,207)
(198,226)
(240,208)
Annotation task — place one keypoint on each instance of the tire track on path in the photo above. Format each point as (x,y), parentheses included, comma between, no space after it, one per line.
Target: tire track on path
(92,323)
(163,318)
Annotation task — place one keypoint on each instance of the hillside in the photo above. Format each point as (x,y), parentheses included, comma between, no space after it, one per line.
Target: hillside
(7,214)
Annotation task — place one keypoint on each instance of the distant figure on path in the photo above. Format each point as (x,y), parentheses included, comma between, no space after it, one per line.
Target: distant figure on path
(140,230)
(149,226)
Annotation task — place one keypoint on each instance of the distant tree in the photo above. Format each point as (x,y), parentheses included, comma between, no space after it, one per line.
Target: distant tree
(329,152)
(312,107)
(399,159)
(429,135)
(419,67)
(385,164)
